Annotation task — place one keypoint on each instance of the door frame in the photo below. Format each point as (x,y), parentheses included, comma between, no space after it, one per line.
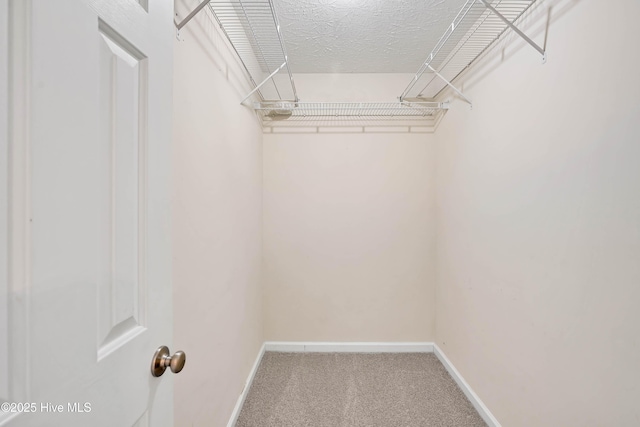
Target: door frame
(4,201)
(14,199)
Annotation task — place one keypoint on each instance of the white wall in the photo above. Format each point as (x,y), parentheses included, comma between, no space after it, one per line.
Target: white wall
(538,217)
(348,225)
(352,87)
(217,215)
(349,244)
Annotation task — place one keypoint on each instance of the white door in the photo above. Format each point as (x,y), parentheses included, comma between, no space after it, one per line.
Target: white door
(85,260)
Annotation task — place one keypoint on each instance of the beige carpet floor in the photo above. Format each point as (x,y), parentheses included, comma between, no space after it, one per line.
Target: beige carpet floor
(353,390)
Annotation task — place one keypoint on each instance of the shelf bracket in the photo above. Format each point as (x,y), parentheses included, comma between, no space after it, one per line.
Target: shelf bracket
(516,29)
(190,16)
(450,84)
(264,81)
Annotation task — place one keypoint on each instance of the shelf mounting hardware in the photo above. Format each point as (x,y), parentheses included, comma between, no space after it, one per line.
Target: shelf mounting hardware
(450,85)
(439,46)
(455,89)
(516,29)
(190,16)
(269,77)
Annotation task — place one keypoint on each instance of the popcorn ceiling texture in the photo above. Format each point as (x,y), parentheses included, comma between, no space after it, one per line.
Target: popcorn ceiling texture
(362,36)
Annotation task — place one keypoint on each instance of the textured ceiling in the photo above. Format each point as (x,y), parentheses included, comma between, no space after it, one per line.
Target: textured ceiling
(362,36)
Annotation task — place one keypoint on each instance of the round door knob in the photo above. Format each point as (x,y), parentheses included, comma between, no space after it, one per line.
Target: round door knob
(163,360)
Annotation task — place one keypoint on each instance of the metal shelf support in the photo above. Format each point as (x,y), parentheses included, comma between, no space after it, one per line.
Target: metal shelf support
(190,16)
(476,27)
(440,45)
(516,29)
(253,31)
(269,77)
(456,90)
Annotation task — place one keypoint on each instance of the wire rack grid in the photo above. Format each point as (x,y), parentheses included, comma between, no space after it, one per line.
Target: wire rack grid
(348,111)
(253,29)
(471,33)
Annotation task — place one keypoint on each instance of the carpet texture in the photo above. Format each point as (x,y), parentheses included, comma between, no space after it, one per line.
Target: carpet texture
(353,390)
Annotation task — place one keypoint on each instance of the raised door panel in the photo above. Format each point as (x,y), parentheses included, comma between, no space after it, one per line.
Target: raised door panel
(122,98)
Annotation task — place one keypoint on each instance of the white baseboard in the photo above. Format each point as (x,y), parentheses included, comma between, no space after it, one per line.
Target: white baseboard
(482,409)
(349,347)
(245,390)
(365,347)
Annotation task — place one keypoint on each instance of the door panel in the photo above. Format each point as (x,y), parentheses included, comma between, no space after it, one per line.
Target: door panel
(121,294)
(88,193)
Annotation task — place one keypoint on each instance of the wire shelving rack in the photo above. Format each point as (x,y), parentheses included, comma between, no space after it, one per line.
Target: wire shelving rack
(253,30)
(477,26)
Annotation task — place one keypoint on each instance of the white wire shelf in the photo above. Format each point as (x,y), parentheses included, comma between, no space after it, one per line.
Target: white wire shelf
(349,111)
(473,31)
(253,29)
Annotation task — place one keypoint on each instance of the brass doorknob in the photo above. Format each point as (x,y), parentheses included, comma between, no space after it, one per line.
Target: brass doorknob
(162,360)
